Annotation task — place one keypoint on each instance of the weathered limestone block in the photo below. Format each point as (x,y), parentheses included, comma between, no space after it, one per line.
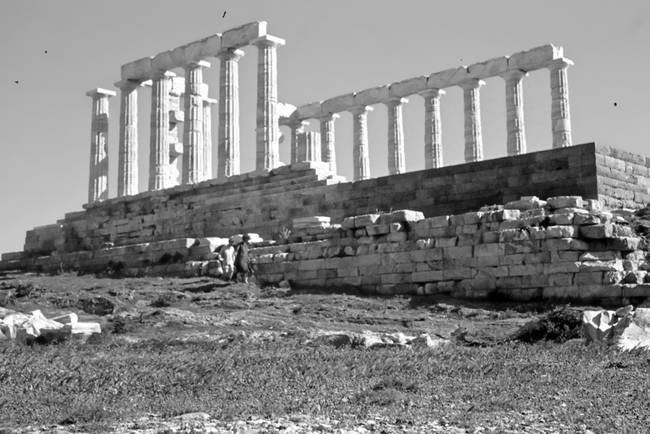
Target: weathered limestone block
(561,231)
(597,231)
(401,216)
(565,202)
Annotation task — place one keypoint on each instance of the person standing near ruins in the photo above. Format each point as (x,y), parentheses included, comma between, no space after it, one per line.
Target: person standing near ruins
(227,256)
(242,260)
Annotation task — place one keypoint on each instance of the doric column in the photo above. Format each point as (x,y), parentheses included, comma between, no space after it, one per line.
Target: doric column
(297,127)
(309,146)
(193,152)
(127,156)
(515,111)
(432,128)
(361,168)
(396,157)
(560,115)
(228,147)
(473,138)
(176,122)
(98,179)
(327,147)
(267,129)
(159,136)
(207,137)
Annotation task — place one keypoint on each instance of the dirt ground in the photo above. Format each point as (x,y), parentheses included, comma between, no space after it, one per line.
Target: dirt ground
(139,311)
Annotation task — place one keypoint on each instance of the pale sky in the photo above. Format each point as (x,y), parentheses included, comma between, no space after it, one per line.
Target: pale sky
(333,47)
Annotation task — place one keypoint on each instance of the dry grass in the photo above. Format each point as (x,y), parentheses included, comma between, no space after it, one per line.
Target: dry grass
(565,386)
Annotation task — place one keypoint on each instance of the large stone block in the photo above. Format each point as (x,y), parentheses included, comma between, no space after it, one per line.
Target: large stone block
(243,35)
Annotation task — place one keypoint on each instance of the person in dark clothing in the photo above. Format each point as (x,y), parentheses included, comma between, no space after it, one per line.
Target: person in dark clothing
(242,260)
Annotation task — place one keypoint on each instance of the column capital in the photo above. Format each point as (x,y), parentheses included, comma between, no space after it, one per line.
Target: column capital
(268,41)
(395,101)
(360,109)
(99,92)
(472,83)
(127,84)
(230,54)
(433,92)
(513,74)
(560,63)
(209,101)
(297,123)
(197,63)
(328,116)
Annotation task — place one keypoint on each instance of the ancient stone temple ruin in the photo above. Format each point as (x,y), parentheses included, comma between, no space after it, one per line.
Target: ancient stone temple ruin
(473,229)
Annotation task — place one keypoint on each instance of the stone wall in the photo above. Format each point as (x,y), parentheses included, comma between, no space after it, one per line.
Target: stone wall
(265,202)
(623,177)
(566,249)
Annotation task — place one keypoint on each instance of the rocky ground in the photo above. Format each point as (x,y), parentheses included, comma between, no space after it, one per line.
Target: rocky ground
(237,320)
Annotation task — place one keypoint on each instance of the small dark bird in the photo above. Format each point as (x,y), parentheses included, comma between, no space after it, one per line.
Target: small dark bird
(16,81)
(615,104)
(45,51)
(224,14)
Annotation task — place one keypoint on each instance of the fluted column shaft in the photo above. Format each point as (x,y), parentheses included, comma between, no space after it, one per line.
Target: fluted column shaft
(127,157)
(309,146)
(267,129)
(207,137)
(228,147)
(473,136)
(297,127)
(560,113)
(432,128)
(193,152)
(159,137)
(361,169)
(98,173)
(396,156)
(328,148)
(516,143)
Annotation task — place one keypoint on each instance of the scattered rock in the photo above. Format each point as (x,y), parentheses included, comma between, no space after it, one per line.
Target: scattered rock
(96,305)
(625,328)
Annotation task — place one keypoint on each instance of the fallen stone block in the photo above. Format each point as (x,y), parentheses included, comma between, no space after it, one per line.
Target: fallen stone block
(401,216)
(525,203)
(597,231)
(565,202)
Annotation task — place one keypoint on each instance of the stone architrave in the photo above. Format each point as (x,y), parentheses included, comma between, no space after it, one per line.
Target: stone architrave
(472,104)
(207,137)
(396,156)
(127,157)
(432,128)
(193,145)
(267,129)
(560,113)
(228,146)
(516,143)
(98,179)
(328,148)
(361,168)
(159,137)
(297,127)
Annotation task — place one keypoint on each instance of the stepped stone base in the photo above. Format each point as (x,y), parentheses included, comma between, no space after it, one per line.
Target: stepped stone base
(133,231)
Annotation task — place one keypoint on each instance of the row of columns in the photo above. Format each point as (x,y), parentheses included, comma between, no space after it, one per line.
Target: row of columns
(197,139)
(516,138)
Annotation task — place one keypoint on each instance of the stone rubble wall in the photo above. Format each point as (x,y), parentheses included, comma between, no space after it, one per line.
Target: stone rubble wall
(567,248)
(623,178)
(265,202)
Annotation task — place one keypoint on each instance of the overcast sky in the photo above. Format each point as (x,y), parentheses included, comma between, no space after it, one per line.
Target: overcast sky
(54,51)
